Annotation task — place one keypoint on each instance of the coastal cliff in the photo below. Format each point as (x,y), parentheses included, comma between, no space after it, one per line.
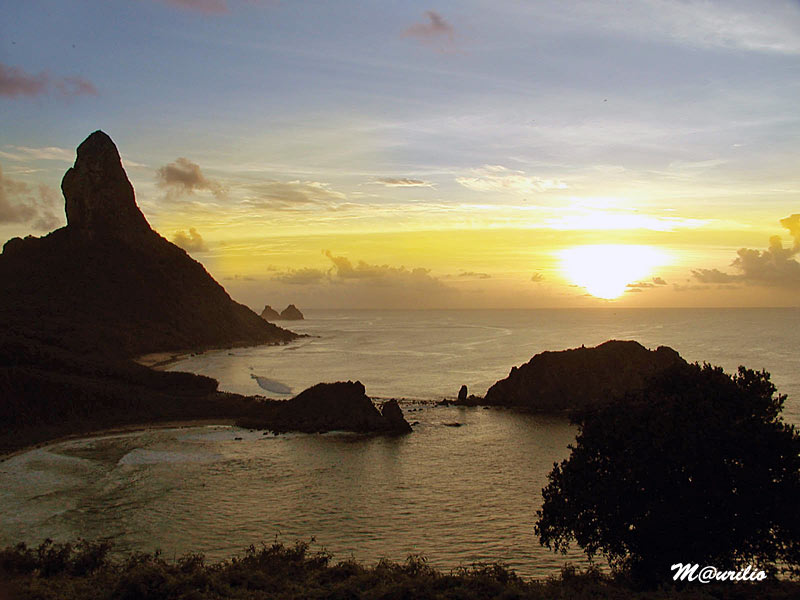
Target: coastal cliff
(579,377)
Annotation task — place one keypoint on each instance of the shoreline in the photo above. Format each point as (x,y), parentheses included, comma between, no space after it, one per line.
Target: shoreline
(121,429)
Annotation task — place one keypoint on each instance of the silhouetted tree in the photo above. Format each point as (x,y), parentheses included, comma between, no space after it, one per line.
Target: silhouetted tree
(697,468)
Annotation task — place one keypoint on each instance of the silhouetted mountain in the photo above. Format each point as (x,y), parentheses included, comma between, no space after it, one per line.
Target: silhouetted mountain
(107,283)
(580,377)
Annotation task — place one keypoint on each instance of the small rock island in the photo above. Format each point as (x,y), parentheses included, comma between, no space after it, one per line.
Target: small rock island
(290,313)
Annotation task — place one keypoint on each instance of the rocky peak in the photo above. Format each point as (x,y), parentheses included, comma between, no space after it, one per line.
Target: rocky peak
(99,198)
(291,313)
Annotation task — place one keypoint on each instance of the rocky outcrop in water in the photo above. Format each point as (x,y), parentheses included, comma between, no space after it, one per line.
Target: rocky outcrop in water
(107,283)
(291,313)
(341,406)
(270,314)
(393,415)
(581,377)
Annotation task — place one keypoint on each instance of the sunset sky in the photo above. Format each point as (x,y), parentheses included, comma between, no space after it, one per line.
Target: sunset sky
(428,155)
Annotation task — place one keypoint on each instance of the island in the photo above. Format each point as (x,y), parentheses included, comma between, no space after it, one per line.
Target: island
(577,378)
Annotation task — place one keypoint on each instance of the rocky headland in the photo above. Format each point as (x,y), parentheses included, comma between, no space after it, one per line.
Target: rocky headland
(577,378)
(79,303)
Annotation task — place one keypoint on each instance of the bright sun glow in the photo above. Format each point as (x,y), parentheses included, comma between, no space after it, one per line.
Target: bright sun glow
(606,270)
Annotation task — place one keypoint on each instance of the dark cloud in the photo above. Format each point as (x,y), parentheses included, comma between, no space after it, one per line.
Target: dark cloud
(474,275)
(185,177)
(435,30)
(238,277)
(76,86)
(643,285)
(365,285)
(688,288)
(20,203)
(639,285)
(211,7)
(191,242)
(402,182)
(713,276)
(302,276)
(15,82)
(291,195)
(775,266)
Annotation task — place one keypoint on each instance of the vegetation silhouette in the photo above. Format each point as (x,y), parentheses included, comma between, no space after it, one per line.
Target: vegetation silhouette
(696,468)
(88,571)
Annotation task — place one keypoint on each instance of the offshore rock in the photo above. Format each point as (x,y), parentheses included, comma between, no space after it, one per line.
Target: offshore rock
(269,313)
(581,377)
(393,415)
(340,406)
(291,313)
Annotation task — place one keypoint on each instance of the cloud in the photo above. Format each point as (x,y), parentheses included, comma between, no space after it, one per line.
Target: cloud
(185,177)
(302,276)
(210,7)
(792,223)
(46,153)
(402,182)
(496,178)
(191,242)
(359,284)
(435,30)
(654,282)
(15,82)
(713,276)
(293,194)
(775,266)
(19,203)
(474,275)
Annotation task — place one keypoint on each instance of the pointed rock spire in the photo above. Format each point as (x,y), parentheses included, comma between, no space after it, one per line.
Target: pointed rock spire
(99,198)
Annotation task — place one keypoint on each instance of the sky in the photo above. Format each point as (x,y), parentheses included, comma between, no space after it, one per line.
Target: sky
(404,154)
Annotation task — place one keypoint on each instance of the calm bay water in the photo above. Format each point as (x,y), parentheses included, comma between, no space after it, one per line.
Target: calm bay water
(453,494)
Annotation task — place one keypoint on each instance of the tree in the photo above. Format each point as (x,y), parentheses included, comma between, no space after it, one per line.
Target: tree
(697,468)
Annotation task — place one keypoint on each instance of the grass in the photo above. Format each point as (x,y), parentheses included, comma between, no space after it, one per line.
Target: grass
(86,571)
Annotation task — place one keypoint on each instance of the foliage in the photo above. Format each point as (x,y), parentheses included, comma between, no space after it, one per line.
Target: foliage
(278,572)
(696,468)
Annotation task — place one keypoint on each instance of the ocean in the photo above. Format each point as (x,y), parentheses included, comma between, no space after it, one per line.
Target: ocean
(455,495)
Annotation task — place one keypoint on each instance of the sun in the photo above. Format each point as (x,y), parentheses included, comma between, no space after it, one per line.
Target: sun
(605,270)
